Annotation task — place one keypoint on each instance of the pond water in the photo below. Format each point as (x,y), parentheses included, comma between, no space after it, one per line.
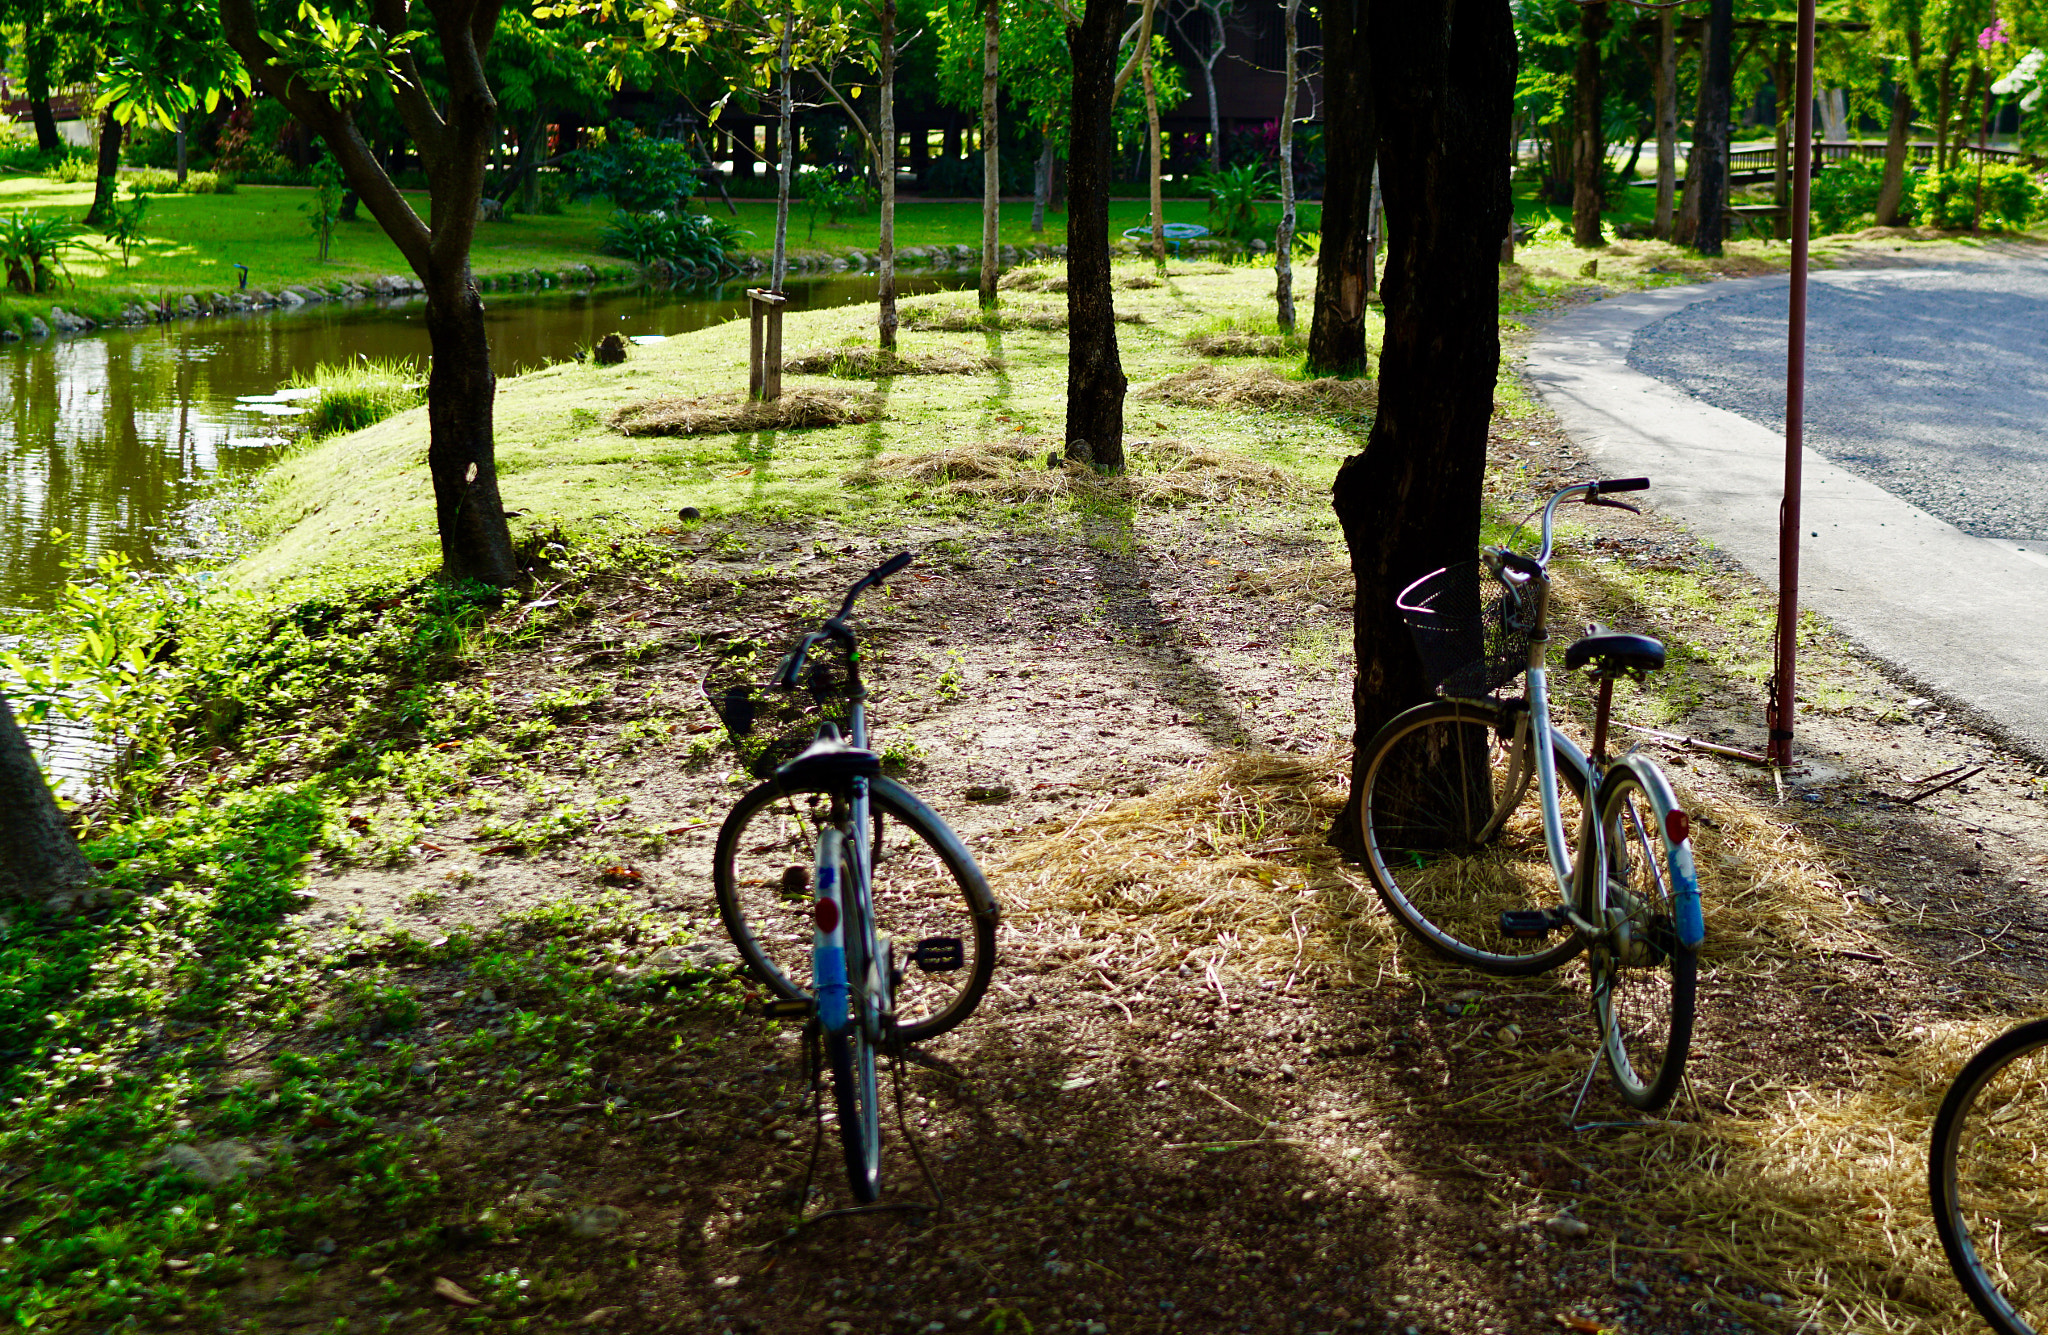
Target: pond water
(122,439)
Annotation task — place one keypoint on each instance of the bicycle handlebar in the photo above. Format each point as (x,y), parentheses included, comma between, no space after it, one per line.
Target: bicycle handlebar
(1591,492)
(836,628)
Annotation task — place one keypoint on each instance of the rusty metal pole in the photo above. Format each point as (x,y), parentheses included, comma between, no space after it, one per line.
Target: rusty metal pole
(1779,713)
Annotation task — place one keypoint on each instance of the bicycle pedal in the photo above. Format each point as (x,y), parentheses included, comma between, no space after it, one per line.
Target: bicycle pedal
(939,954)
(1530,924)
(779,1009)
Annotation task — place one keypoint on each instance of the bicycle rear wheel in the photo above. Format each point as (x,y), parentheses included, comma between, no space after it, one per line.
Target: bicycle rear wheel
(1989,1181)
(1643,976)
(925,885)
(1449,841)
(850,1053)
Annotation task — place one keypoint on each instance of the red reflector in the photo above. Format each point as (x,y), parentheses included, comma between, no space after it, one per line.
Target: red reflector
(1678,825)
(828,916)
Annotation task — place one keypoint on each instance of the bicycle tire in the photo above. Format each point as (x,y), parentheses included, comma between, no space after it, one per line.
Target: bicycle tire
(1983,1169)
(1643,976)
(925,884)
(850,1052)
(1446,858)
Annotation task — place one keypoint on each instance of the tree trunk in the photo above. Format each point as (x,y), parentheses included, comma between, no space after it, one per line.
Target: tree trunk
(1336,338)
(1095,373)
(1892,194)
(1443,80)
(1209,86)
(1667,119)
(885,145)
(1710,134)
(1782,98)
(1589,138)
(1041,184)
(108,176)
(1283,240)
(38,855)
(778,269)
(1152,139)
(36,54)
(991,167)
(461,393)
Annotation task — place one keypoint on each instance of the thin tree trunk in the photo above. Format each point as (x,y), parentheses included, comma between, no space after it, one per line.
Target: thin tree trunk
(1710,139)
(1283,241)
(38,855)
(184,133)
(1209,86)
(779,267)
(885,146)
(1443,80)
(1095,373)
(1944,100)
(1152,138)
(108,175)
(1041,184)
(991,167)
(1782,99)
(1892,194)
(1336,339)
(1589,140)
(36,54)
(1667,120)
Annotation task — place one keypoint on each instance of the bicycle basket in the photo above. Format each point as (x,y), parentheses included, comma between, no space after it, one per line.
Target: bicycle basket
(769,726)
(1463,623)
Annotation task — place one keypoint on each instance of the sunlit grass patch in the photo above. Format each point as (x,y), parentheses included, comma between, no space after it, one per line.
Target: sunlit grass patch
(361,393)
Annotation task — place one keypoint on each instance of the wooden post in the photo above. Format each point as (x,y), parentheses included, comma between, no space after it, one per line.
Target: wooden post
(764,343)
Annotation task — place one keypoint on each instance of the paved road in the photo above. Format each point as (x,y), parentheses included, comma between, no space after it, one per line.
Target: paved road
(1926,386)
(1931,383)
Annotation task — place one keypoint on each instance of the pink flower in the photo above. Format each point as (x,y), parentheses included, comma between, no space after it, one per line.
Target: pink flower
(1993,35)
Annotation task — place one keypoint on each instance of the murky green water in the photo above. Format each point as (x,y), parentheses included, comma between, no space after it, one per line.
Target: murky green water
(123,438)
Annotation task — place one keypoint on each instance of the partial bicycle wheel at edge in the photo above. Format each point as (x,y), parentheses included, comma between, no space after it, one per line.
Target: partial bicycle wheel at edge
(1989,1182)
(851,1053)
(926,884)
(1643,977)
(1453,833)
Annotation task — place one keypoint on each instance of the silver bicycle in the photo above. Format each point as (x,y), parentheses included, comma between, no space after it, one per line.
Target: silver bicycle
(1601,862)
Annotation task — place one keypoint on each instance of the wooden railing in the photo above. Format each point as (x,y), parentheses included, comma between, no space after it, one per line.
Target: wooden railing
(1764,161)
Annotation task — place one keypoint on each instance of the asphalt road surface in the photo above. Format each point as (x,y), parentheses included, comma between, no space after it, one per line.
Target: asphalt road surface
(1930,383)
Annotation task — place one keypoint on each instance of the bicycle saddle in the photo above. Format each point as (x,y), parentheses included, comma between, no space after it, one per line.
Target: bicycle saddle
(1615,649)
(827,762)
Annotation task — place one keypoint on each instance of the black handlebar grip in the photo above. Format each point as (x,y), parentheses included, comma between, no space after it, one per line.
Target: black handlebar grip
(1621,484)
(902,559)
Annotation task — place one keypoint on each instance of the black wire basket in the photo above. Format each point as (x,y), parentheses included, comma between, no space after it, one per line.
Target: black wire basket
(768,725)
(1466,630)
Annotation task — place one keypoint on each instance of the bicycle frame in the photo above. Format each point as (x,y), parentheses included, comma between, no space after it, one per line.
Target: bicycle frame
(836,992)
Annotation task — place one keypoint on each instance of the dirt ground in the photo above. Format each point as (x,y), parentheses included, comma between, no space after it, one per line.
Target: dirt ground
(1211,1089)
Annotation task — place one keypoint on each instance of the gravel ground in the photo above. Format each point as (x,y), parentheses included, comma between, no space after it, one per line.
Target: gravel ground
(1931,383)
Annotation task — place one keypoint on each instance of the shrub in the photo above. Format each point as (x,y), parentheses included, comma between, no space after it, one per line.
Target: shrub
(1948,199)
(1233,195)
(1844,193)
(823,192)
(638,174)
(32,248)
(682,239)
(359,394)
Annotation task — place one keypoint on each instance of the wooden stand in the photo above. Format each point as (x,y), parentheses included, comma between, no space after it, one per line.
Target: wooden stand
(764,346)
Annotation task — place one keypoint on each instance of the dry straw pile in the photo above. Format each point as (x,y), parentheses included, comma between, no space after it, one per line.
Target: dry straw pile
(1236,343)
(1262,387)
(1033,279)
(951,319)
(1161,472)
(865,363)
(1815,1192)
(728,412)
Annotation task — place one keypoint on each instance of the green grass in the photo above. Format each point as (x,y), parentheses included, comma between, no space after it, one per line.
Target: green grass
(359,394)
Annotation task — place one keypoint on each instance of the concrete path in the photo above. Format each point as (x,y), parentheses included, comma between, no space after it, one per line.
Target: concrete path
(1965,616)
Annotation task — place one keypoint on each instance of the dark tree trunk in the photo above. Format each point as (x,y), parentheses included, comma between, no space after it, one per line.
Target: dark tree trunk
(1095,373)
(1336,339)
(1710,135)
(1443,89)
(461,392)
(108,175)
(38,855)
(1589,138)
(36,53)
(1892,194)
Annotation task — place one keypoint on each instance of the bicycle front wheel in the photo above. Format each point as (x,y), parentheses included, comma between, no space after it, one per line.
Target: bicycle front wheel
(1643,976)
(1989,1180)
(1449,841)
(925,885)
(850,1053)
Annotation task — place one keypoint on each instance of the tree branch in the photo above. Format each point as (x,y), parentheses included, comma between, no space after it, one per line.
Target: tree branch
(1144,23)
(874,152)
(412,236)
(458,182)
(422,121)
